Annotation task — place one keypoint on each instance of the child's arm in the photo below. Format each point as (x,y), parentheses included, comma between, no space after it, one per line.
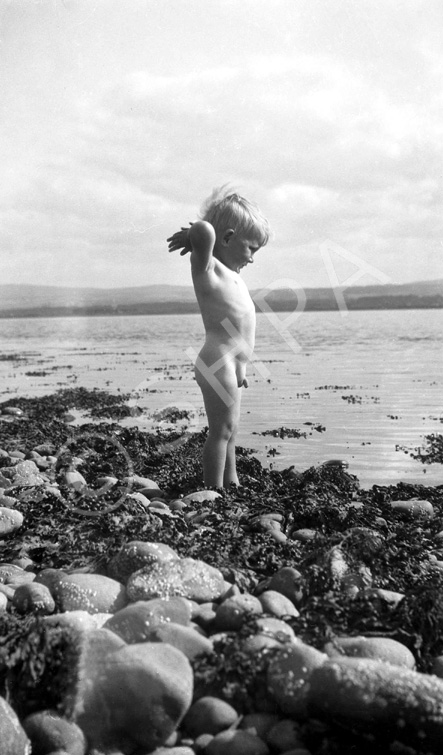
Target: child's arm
(199,239)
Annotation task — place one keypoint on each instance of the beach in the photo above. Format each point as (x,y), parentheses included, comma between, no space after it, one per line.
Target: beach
(292,609)
(236,591)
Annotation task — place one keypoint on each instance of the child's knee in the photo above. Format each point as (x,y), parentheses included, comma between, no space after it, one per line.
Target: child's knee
(223,430)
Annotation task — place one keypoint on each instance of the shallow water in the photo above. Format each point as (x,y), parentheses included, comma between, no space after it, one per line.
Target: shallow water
(372,379)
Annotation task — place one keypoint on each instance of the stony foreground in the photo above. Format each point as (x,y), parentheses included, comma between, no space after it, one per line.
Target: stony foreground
(296,614)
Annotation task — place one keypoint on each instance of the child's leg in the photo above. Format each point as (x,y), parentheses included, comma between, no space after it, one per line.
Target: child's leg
(223,411)
(230,473)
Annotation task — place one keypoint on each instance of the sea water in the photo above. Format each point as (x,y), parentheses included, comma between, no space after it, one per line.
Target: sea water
(362,386)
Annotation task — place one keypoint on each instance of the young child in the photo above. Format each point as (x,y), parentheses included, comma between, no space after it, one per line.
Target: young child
(225,240)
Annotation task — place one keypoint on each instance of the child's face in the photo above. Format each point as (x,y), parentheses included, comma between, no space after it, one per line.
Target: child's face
(240,249)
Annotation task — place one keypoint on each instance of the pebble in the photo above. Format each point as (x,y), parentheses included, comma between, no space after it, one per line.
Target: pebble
(14,411)
(10,573)
(277,628)
(277,604)
(200,496)
(7,591)
(8,501)
(230,615)
(48,731)
(204,615)
(75,480)
(137,554)
(149,487)
(414,507)
(201,743)
(13,737)
(305,535)
(287,581)
(140,498)
(88,592)
(209,715)
(26,473)
(254,643)
(10,520)
(17,455)
(190,578)
(177,750)
(132,698)
(379,648)
(33,597)
(134,622)
(45,449)
(389,597)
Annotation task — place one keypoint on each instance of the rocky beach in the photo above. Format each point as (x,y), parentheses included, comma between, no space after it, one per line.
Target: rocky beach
(140,613)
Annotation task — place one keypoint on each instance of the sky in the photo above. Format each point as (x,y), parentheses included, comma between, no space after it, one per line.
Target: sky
(119,117)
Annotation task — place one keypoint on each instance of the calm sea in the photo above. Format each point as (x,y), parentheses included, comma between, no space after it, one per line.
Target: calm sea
(361,386)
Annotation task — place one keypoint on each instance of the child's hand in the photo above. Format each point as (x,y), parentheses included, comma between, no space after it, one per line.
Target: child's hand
(180,240)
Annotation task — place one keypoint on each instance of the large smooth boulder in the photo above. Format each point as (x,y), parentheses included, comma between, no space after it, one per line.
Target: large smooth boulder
(369,695)
(133,698)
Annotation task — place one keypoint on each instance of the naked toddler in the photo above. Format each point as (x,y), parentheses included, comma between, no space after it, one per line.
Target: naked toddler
(225,240)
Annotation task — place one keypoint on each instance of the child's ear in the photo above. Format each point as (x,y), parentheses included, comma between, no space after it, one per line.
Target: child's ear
(227,236)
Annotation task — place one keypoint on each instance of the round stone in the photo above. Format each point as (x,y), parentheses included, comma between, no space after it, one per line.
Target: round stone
(137,554)
(209,715)
(277,604)
(10,520)
(134,622)
(186,577)
(33,597)
(378,648)
(230,615)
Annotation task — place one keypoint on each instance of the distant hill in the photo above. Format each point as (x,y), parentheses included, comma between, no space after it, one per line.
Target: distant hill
(18,300)
(18,296)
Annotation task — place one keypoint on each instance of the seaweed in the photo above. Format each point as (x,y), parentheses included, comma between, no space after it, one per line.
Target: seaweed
(38,664)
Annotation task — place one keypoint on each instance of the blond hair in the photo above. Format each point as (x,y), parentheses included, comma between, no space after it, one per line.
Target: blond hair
(225,209)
